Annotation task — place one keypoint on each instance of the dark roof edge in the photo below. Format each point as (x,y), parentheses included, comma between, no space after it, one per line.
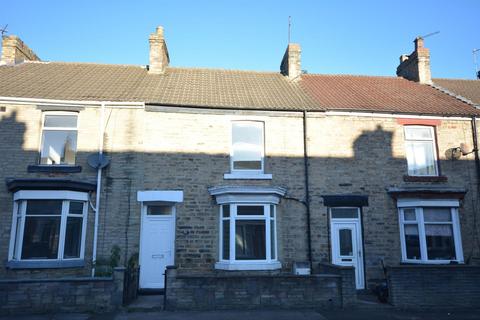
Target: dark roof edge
(14,185)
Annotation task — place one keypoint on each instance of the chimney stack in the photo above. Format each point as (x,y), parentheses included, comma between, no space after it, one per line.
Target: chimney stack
(416,66)
(291,63)
(15,51)
(158,52)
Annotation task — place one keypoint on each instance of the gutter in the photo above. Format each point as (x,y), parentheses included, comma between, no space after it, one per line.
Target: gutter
(70,103)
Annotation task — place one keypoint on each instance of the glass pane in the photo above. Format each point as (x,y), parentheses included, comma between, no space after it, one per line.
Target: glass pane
(159,210)
(61,121)
(46,207)
(272,211)
(226,239)
(409,215)
(346,244)
(415,133)
(226,211)
(344,213)
(73,237)
(40,238)
(420,158)
(247,143)
(437,214)
(440,244)
(76,207)
(272,239)
(58,147)
(250,240)
(412,241)
(250,210)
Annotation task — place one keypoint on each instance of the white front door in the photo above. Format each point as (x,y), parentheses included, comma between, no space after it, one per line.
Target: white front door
(157,238)
(347,250)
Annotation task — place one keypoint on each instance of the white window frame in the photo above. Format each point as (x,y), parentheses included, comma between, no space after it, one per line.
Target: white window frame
(20,199)
(245,173)
(268,263)
(43,128)
(434,144)
(418,205)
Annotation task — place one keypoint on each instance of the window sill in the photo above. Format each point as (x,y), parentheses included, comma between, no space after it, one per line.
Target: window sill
(247,176)
(54,168)
(25,264)
(431,262)
(408,178)
(234,266)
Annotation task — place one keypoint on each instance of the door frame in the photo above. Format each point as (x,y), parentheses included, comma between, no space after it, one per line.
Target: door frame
(359,237)
(143,217)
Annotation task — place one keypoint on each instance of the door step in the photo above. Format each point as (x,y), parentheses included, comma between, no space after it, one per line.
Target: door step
(148,292)
(146,303)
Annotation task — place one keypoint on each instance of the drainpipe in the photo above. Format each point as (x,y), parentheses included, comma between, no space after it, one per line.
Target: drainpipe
(307,190)
(101,133)
(475,148)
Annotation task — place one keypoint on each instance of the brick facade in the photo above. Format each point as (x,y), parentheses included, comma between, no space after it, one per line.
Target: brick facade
(189,149)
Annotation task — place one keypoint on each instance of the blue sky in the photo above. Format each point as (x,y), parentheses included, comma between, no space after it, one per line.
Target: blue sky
(337,37)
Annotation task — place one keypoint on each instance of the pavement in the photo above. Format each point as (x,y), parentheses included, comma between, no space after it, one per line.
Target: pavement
(343,314)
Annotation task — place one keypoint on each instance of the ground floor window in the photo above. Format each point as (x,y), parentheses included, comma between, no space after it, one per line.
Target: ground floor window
(248,232)
(430,234)
(48,225)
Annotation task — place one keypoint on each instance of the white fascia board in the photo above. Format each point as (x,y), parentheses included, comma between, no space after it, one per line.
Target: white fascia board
(70,103)
(160,195)
(50,194)
(402,203)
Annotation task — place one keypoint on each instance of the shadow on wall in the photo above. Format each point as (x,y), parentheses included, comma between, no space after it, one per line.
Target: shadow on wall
(370,171)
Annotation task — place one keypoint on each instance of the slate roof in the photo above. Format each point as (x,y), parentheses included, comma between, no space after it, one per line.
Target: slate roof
(469,89)
(382,94)
(225,89)
(178,86)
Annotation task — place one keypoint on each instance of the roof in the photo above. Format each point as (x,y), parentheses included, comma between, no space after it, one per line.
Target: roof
(178,86)
(382,94)
(195,87)
(469,89)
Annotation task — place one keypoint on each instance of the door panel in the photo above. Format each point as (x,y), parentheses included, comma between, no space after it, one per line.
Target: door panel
(347,248)
(156,249)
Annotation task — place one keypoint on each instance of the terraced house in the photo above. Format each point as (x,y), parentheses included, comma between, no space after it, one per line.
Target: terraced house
(233,188)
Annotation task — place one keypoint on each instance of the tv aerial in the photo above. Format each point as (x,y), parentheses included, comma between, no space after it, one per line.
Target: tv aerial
(4,30)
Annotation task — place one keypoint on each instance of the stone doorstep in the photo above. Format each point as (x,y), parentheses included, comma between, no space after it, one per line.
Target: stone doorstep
(146,303)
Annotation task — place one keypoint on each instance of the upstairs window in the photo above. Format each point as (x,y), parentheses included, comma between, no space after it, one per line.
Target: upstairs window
(421,151)
(59,139)
(247,147)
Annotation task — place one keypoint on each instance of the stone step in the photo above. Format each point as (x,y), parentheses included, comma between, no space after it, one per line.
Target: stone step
(146,303)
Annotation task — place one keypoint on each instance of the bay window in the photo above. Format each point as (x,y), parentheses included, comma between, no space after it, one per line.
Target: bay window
(430,234)
(48,226)
(248,233)
(247,227)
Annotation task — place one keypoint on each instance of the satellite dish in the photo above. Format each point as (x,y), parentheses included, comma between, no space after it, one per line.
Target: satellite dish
(465,148)
(98,161)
